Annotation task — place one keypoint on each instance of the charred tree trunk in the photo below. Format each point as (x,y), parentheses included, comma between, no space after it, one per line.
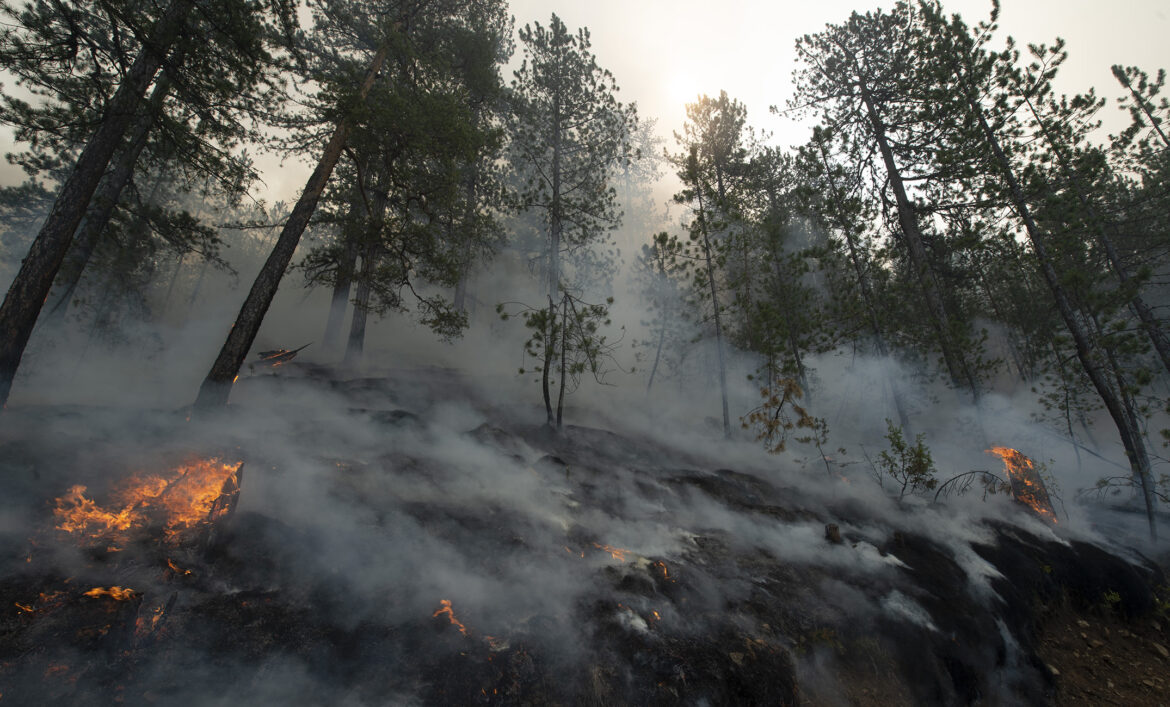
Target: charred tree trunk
(554,261)
(790,334)
(361,308)
(341,288)
(868,298)
(26,296)
(1013,346)
(709,261)
(470,189)
(960,373)
(564,368)
(218,385)
(375,211)
(658,350)
(173,282)
(550,334)
(106,198)
(1129,432)
(340,300)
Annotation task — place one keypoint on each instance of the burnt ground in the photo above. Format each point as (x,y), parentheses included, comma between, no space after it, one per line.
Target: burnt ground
(390,550)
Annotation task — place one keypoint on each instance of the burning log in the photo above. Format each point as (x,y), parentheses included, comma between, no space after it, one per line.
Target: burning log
(446,610)
(276,357)
(219,515)
(191,496)
(115,593)
(1027,486)
(149,627)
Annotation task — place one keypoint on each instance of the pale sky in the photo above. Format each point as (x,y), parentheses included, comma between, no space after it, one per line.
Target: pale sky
(665,52)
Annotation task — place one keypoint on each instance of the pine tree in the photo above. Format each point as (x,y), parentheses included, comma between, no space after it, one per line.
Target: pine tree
(859,79)
(568,133)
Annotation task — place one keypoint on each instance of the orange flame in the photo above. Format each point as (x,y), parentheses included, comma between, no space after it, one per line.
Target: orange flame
(117,593)
(616,552)
(23,607)
(1027,486)
(181,499)
(445,608)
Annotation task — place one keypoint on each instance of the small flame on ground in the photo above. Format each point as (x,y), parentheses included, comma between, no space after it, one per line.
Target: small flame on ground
(445,608)
(25,608)
(662,568)
(177,570)
(117,593)
(1027,486)
(616,552)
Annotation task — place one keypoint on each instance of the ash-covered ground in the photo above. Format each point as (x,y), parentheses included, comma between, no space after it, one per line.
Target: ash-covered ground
(400,540)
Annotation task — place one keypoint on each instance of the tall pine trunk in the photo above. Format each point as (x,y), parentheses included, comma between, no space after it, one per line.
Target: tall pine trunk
(27,294)
(554,271)
(564,368)
(356,342)
(106,198)
(1144,314)
(340,299)
(216,388)
(869,299)
(956,364)
(708,258)
(1123,418)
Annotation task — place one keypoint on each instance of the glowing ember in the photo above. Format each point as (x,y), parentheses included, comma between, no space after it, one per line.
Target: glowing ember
(50,600)
(178,570)
(117,593)
(445,608)
(616,552)
(661,566)
(23,607)
(1027,486)
(179,500)
(144,626)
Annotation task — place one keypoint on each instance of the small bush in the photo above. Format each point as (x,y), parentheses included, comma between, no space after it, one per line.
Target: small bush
(908,464)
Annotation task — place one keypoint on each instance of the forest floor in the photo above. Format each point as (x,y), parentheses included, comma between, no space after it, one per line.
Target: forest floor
(1102,658)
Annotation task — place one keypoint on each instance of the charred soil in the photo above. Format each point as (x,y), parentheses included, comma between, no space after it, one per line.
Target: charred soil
(387,550)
